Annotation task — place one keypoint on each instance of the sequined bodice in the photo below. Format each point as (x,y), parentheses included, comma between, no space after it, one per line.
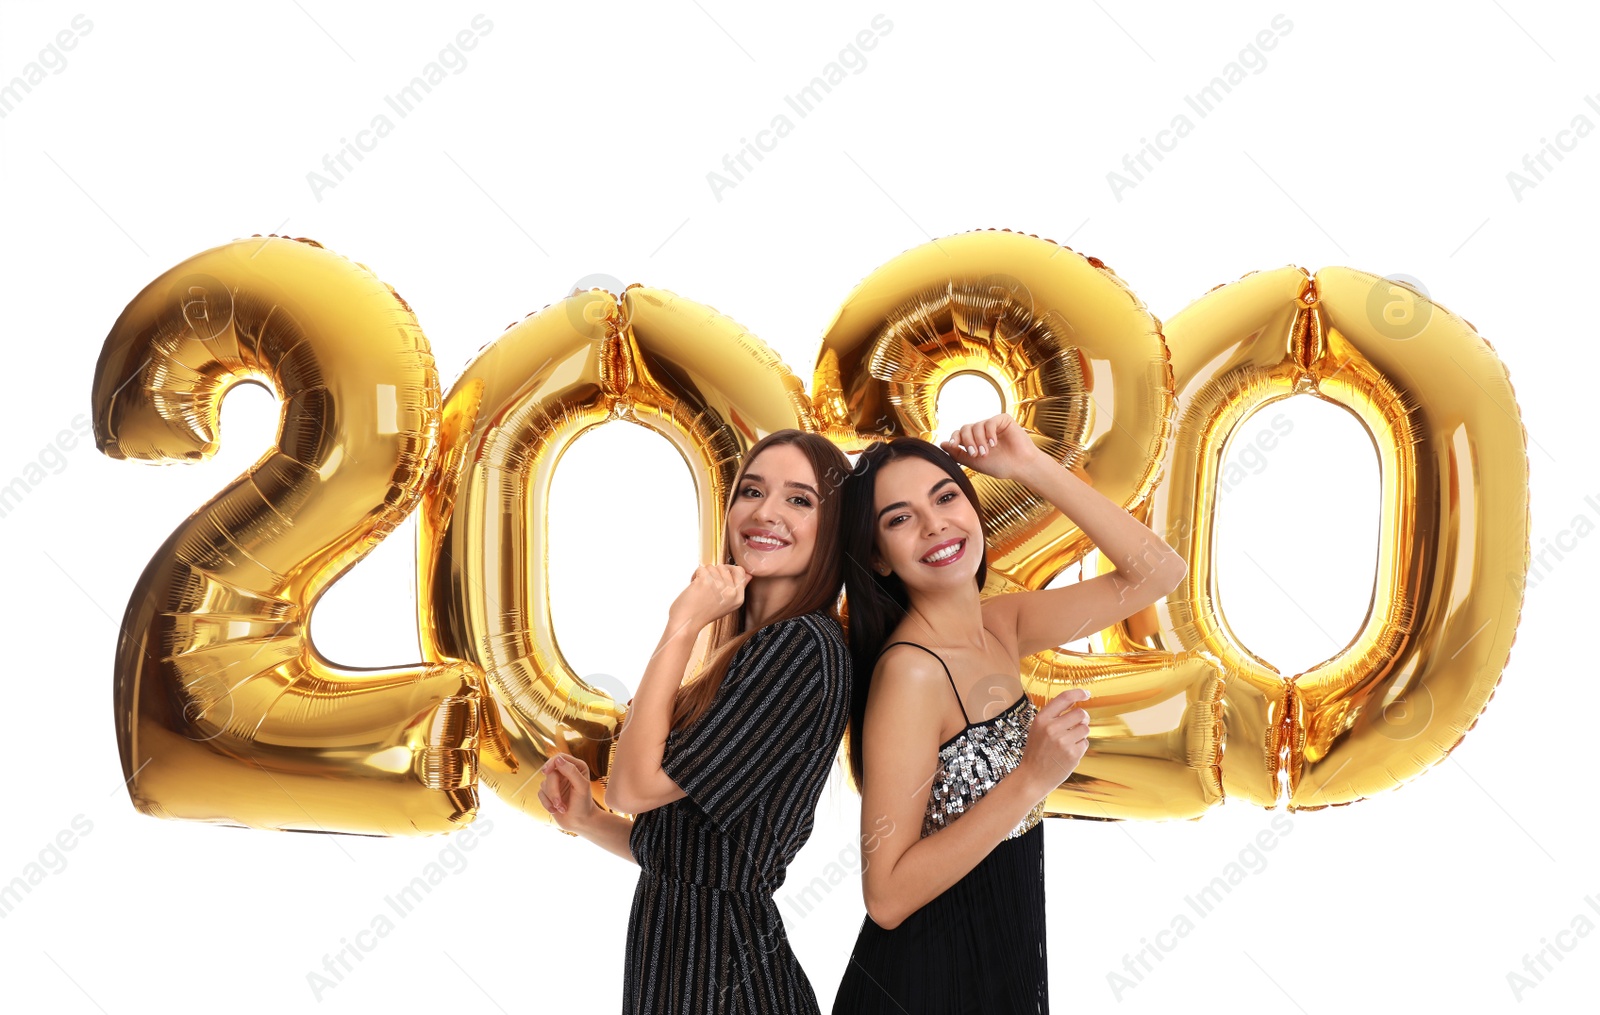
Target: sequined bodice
(974,761)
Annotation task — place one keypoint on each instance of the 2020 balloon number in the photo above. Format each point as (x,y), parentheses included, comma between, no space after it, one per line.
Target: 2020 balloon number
(226,712)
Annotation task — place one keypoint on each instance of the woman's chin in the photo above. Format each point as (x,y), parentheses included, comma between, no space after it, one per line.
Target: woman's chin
(763,568)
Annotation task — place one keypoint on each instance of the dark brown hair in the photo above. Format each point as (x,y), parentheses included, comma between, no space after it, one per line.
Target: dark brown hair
(819,589)
(874,603)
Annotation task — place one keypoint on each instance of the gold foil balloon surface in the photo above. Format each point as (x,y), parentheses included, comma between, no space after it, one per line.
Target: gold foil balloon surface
(1453,536)
(1175,687)
(225,711)
(647,357)
(1073,353)
(1081,363)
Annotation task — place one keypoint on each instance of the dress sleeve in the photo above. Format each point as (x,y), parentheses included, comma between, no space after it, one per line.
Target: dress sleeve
(761,717)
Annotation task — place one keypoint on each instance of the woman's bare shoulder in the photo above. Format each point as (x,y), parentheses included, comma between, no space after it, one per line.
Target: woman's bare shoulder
(907,667)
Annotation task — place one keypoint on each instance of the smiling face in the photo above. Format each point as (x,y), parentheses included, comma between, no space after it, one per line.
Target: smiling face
(926,530)
(772,523)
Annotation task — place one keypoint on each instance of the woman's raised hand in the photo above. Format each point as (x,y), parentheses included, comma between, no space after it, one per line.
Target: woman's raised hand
(714,591)
(997,446)
(565,792)
(1057,740)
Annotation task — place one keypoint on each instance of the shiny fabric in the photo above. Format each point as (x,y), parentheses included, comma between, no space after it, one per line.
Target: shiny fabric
(704,935)
(974,761)
(979,946)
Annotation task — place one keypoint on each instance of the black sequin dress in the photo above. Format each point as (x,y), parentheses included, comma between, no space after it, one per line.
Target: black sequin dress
(978,947)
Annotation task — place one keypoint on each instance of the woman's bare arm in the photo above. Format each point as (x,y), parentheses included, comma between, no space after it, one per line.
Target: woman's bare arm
(637,782)
(609,831)
(903,872)
(1146,567)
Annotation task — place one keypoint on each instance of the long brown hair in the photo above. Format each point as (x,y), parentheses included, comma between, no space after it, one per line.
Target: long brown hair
(819,588)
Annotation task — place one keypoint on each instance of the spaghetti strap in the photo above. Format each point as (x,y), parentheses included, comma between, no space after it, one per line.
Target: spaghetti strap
(947,675)
(980,945)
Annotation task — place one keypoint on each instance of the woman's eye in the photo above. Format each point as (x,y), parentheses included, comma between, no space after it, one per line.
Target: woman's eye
(801,499)
(895,520)
(748,490)
(947,496)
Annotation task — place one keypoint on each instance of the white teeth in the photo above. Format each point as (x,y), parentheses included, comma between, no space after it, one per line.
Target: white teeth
(949,551)
(763,543)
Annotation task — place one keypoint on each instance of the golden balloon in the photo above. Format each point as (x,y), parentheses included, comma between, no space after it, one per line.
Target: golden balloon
(225,710)
(647,357)
(1453,538)
(1074,354)
(1082,365)
(227,713)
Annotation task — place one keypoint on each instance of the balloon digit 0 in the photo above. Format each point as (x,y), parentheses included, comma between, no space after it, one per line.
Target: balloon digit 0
(648,357)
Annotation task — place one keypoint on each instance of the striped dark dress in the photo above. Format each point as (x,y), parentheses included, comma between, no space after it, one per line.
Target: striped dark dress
(704,934)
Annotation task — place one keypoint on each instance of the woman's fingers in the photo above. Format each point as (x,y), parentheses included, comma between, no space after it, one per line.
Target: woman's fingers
(1063,701)
(548,800)
(962,444)
(975,439)
(565,776)
(570,768)
(730,575)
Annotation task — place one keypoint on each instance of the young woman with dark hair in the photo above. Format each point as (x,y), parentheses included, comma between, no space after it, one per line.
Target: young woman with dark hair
(722,773)
(954,887)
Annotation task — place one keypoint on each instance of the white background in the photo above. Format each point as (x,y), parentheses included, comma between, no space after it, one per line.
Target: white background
(575,145)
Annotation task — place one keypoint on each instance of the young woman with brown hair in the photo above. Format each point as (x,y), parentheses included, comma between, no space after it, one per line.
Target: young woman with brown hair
(723,773)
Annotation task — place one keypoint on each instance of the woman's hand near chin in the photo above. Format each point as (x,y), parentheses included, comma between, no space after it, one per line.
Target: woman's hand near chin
(713,591)
(997,446)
